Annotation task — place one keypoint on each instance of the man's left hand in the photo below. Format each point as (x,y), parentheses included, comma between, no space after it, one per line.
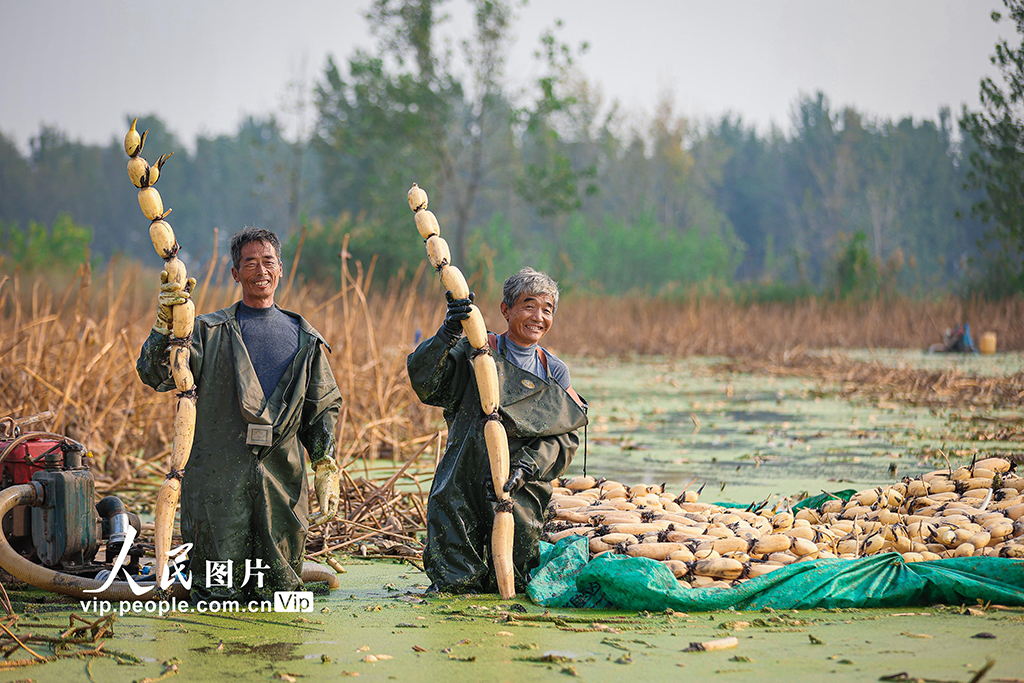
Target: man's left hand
(518,477)
(328,490)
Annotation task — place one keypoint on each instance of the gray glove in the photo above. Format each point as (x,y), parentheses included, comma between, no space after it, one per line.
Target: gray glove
(171,294)
(326,483)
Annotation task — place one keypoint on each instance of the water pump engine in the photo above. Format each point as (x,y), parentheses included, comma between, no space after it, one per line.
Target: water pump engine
(65,531)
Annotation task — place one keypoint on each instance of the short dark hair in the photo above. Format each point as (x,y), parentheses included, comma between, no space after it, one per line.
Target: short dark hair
(529,281)
(248,234)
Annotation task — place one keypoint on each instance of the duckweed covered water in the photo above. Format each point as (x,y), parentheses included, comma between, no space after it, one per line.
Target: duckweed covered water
(749,436)
(380,611)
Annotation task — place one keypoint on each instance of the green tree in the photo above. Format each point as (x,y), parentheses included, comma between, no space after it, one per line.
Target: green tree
(409,111)
(554,176)
(750,191)
(925,199)
(402,115)
(613,256)
(997,166)
(854,271)
(15,183)
(64,246)
(824,179)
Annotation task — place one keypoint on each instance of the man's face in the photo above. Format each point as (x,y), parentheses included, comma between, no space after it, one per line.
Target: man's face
(259,271)
(529,318)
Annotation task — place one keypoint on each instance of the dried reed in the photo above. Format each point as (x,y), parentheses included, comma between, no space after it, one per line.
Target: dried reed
(881,382)
(71,349)
(706,326)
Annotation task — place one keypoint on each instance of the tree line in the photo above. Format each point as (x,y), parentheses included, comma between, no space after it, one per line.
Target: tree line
(549,174)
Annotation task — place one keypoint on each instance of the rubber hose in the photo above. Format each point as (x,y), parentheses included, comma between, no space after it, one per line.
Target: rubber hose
(75,586)
(311,571)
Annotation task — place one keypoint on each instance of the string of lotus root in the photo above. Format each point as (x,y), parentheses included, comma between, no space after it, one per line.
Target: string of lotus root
(144,176)
(486,374)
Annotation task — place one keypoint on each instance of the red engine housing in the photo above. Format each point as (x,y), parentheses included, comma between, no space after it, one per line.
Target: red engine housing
(24,460)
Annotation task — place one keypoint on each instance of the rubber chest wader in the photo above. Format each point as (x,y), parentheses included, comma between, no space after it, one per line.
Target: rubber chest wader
(541,420)
(249,502)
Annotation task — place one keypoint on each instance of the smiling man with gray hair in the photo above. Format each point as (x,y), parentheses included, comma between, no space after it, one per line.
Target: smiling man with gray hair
(540,411)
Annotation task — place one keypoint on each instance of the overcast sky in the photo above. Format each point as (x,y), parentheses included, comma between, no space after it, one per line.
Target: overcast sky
(84,65)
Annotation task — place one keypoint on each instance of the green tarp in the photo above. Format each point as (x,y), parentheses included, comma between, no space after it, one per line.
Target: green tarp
(823,497)
(565,578)
(812,502)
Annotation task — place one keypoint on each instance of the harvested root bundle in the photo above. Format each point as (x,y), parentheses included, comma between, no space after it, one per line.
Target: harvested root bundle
(713,645)
(144,176)
(438,252)
(170,491)
(417,198)
(476,331)
(137,169)
(184,432)
(133,142)
(153,172)
(485,371)
(772,543)
(718,568)
(180,370)
(184,319)
(175,270)
(151,204)
(166,503)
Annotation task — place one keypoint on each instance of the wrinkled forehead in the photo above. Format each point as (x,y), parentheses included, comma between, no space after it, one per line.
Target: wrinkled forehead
(258,249)
(535,299)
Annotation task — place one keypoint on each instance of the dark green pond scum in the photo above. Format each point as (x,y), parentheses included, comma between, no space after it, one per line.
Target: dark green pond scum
(651,421)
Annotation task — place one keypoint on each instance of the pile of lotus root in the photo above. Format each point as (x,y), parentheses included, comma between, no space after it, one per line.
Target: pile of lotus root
(968,511)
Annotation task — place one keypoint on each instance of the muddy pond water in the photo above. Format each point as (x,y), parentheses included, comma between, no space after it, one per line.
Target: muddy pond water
(749,436)
(682,422)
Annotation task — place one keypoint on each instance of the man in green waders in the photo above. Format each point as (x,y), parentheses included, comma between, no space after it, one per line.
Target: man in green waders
(540,412)
(265,391)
